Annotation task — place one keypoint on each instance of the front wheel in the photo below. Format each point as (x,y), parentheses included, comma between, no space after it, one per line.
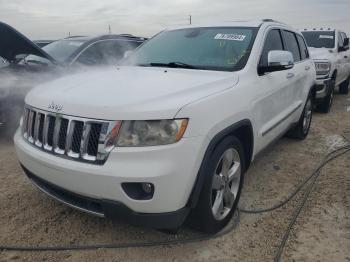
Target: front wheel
(326,104)
(222,187)
(344,87)
(301,130)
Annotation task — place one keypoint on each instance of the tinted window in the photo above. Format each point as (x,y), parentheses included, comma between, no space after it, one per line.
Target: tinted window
(107,52)
(320,39)
(273,42)
(291,44)
(60,50)
(340,40)
(303,48)
(91,56)
(63,49)
(210,48)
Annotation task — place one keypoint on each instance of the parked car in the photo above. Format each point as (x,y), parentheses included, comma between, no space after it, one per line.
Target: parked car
(330,50)
(42,43)
(170,136)
(28,65)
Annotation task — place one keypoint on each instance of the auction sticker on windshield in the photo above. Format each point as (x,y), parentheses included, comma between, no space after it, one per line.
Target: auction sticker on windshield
(231,37)
(326,36)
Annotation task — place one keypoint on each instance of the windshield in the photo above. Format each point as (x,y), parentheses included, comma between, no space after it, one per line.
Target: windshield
(222,49)
(320,39)
(60,50)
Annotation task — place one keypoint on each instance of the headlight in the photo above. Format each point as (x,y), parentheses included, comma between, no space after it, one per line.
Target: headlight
(323,68)
(151,132)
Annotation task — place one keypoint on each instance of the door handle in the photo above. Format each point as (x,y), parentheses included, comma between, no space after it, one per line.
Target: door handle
(307,68)
(290,75)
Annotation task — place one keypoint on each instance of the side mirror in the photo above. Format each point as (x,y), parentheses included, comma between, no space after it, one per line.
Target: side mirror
(346,44)
(278,61)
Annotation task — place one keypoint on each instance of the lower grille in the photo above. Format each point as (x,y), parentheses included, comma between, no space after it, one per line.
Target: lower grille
(66,136)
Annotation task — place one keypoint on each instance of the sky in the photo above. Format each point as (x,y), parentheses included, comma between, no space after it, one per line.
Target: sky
(53,19)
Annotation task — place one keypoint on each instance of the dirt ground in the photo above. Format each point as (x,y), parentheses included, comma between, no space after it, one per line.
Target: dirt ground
(322,231)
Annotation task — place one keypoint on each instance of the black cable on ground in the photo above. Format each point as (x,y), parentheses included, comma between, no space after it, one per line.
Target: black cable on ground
(299,208)
(195,239)
(295,191)
(191,239)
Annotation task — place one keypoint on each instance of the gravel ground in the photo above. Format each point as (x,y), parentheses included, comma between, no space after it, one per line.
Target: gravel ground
(322,231)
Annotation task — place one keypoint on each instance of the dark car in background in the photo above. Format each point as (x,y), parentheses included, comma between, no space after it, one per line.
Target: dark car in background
(23,64)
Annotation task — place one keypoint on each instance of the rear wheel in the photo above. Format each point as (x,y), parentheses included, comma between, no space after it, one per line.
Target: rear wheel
(301,130)
(344,87)
(222,187)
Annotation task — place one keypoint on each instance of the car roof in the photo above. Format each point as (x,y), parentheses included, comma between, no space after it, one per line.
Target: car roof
(104,37)
(251,23)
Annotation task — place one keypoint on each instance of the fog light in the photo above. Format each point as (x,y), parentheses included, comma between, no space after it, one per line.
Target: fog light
(139,191)
(147,187)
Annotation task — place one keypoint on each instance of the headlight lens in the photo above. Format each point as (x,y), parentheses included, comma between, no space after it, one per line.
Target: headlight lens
(151,132)
(323,68)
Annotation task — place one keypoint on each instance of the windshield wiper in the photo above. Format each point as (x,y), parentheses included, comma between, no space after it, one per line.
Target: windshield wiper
(171,65)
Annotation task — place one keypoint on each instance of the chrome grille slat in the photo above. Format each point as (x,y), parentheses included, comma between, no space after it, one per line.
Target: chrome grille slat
(46,128)
(30,126)
(36,130)
(25,123)
(56,133)
(69,137)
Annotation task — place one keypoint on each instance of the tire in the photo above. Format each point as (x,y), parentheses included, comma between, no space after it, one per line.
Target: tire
(220,192)
(327,102)
(344,87)
(301,130)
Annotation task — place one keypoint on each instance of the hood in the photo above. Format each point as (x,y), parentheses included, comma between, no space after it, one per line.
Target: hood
(13,43)
(130,93)
(319,53)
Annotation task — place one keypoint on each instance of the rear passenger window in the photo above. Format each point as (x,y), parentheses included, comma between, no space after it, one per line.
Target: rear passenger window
(303,49)
(340,40)
(273,42)
(291,44)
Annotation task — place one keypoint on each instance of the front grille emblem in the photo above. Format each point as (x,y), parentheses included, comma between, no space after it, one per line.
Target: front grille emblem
(55,107)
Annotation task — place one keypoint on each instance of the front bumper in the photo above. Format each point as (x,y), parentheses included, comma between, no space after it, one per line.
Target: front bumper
(172,169)
(110,209)
(323,87)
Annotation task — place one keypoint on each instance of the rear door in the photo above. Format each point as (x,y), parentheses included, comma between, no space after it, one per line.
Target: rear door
(307,69)
(341,60)
(299,78)
(276,101)
(346,57)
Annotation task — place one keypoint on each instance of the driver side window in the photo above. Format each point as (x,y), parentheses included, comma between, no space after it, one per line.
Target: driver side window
(91,56)
(340,40)
(273,42)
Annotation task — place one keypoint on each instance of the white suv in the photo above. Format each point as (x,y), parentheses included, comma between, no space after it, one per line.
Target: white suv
(171,136)
(330,50)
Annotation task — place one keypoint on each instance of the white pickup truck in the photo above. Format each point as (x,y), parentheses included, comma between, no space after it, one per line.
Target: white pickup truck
(330,50)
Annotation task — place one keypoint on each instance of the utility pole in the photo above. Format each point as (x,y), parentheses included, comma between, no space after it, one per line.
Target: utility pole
(68,34)
(190,19)
(109,29)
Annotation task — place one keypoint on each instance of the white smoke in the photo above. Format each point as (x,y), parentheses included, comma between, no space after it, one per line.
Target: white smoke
(14,85)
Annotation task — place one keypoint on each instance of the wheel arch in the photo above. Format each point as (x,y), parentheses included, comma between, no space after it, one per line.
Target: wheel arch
(243,130)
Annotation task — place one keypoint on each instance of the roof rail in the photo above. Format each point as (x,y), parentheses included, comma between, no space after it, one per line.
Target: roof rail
(75,36)
(272,20)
